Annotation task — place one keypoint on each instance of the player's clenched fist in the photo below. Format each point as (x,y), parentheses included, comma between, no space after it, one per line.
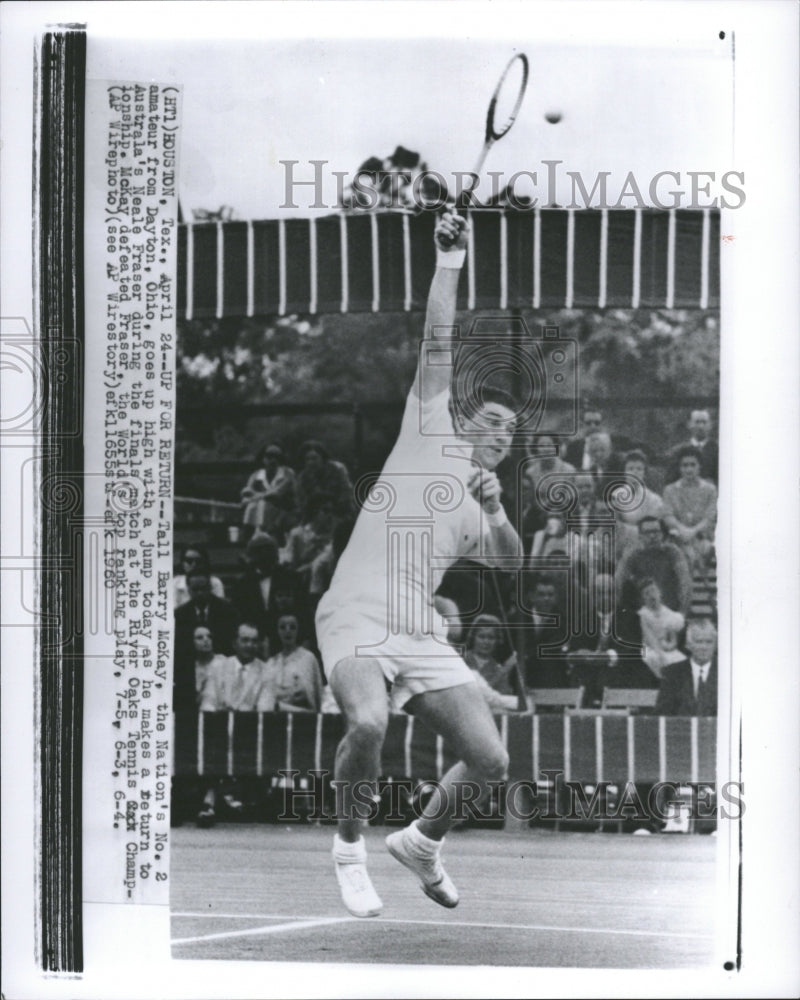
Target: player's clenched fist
(484,486)
(452,232)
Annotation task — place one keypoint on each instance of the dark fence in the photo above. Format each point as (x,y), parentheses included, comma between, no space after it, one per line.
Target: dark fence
(588,748)
(382,261)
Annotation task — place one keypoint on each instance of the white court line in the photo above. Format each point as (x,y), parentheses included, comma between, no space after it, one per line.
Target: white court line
(300,923)
(294,925)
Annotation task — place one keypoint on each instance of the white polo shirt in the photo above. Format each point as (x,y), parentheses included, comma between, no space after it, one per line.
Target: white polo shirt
(418,519)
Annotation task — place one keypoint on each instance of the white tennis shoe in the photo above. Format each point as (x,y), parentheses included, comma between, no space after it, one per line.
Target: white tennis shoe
(358,892)
(436,883)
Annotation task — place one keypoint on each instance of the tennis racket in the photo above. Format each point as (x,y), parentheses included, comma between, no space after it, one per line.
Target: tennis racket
(503,110)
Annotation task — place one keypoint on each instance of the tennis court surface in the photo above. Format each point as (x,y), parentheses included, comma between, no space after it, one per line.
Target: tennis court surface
(528,898)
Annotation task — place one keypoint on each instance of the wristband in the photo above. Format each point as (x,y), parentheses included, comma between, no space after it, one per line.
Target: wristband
(453,259)
(498,519)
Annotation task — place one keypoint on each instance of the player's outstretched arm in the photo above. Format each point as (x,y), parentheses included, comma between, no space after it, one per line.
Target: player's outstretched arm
(451,236)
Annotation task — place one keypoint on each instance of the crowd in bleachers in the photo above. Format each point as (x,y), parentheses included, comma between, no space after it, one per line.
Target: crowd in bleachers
(606,599)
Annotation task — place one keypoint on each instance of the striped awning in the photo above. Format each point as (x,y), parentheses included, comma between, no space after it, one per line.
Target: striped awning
(544,258)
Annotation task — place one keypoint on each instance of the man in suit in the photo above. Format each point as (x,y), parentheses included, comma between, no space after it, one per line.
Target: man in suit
(700,438)
(203,608)
(542,641)
(607,651)
(690,686)
(576,452)
(266,590)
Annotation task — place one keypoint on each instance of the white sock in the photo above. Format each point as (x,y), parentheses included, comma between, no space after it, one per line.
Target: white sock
(346,853)
(417,839)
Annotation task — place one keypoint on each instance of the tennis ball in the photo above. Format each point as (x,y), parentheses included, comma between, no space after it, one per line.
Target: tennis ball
(553,117)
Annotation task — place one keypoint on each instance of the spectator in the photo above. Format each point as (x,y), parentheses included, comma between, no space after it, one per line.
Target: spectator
(690,686)
(603,460)
(660,629)
(235,683)
(292,678)
(482,644)
(322,478)
(203,608)
(552,539)
(543,640)
(700,438)
(307,541)
(194,558)
(590,524)
(691,509)
(659,560)
(607,650)
(645,502)
(267,590)
(189,676)
(536,468)
(205,659)
(268,496)
(576,452)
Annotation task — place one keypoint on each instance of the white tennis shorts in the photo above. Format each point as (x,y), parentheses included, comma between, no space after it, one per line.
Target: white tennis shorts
(412,664)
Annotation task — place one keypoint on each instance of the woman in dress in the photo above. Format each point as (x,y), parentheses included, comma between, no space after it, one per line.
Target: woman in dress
(691,510)
(661,627)
(269,494)
(292,678)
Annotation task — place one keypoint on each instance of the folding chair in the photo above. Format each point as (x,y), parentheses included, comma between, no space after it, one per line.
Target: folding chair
(554,698)
(629,699)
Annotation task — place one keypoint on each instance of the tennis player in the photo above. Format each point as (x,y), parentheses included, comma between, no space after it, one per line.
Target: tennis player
(379,626)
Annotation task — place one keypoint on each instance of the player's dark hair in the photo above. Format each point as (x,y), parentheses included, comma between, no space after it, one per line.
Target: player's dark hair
(471,403)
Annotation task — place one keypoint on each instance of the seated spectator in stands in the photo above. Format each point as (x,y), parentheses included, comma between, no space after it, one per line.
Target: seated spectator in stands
(661,629)
(552,539)
(203,608)
(657,559)
(267,590)
(699,438)
(576,451)
(205,659)
(482,647)
(322,478)
(689,687)
(543,640)
(306,542)
(293,677)
(691,510)
(607,652)
(543,463)
(644,502)
(194,558)
(590,523)
(188,676)
(235,683)
(602,457)
(268,497)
